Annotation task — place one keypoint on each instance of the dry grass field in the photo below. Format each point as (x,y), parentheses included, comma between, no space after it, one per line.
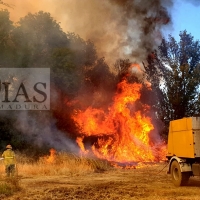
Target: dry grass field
(67,177)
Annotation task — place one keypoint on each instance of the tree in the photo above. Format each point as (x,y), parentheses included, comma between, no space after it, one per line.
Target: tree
(174,71)
(6,44)
(6,4)
(35,37)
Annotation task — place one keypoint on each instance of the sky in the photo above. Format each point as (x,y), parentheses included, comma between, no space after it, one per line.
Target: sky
(185,15)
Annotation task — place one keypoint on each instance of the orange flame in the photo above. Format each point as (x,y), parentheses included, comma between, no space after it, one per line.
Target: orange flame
(79,141)
(51,157)
(122,132)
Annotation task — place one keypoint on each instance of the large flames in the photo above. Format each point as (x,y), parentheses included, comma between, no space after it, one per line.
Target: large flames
(122,132)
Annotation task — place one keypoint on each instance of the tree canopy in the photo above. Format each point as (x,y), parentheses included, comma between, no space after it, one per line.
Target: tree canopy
(174,72)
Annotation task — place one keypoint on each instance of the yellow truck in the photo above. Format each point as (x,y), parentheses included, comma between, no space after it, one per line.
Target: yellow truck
(183,150)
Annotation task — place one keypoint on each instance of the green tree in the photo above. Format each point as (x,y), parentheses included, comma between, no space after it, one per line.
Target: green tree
(174,72)
(70,63)
(35,36)
(6,44)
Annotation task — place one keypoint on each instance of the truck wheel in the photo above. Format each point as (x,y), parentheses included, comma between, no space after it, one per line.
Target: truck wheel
(179,178)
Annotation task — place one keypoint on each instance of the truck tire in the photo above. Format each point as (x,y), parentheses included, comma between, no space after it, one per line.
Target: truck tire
(179,178)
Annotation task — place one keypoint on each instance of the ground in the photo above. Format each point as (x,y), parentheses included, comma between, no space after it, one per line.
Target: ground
(146,183)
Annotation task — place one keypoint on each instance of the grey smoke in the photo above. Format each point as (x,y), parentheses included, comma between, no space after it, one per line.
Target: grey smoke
(42,130)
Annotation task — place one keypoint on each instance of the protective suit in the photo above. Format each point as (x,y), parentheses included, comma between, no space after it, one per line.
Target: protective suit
(9,161)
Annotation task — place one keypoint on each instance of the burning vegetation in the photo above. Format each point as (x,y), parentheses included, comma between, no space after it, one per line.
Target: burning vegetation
(122,132)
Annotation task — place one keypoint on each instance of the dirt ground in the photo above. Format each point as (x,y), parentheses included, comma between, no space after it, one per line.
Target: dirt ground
(148,183)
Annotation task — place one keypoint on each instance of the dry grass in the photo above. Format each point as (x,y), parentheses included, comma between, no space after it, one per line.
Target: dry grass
(120,184)
(67,176)
(53,165)
(58,164)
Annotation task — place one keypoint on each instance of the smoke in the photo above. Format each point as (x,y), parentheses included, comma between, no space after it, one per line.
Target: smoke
(119,28)
(43,131)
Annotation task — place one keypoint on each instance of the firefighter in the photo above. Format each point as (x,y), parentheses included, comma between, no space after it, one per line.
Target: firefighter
(9,160)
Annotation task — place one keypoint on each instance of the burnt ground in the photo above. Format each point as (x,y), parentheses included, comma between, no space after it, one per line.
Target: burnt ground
(147,183)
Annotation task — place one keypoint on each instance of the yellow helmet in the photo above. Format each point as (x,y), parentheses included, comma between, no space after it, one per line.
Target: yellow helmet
(8,146)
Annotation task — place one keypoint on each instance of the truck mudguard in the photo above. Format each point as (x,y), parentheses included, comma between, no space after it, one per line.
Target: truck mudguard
(184,166)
